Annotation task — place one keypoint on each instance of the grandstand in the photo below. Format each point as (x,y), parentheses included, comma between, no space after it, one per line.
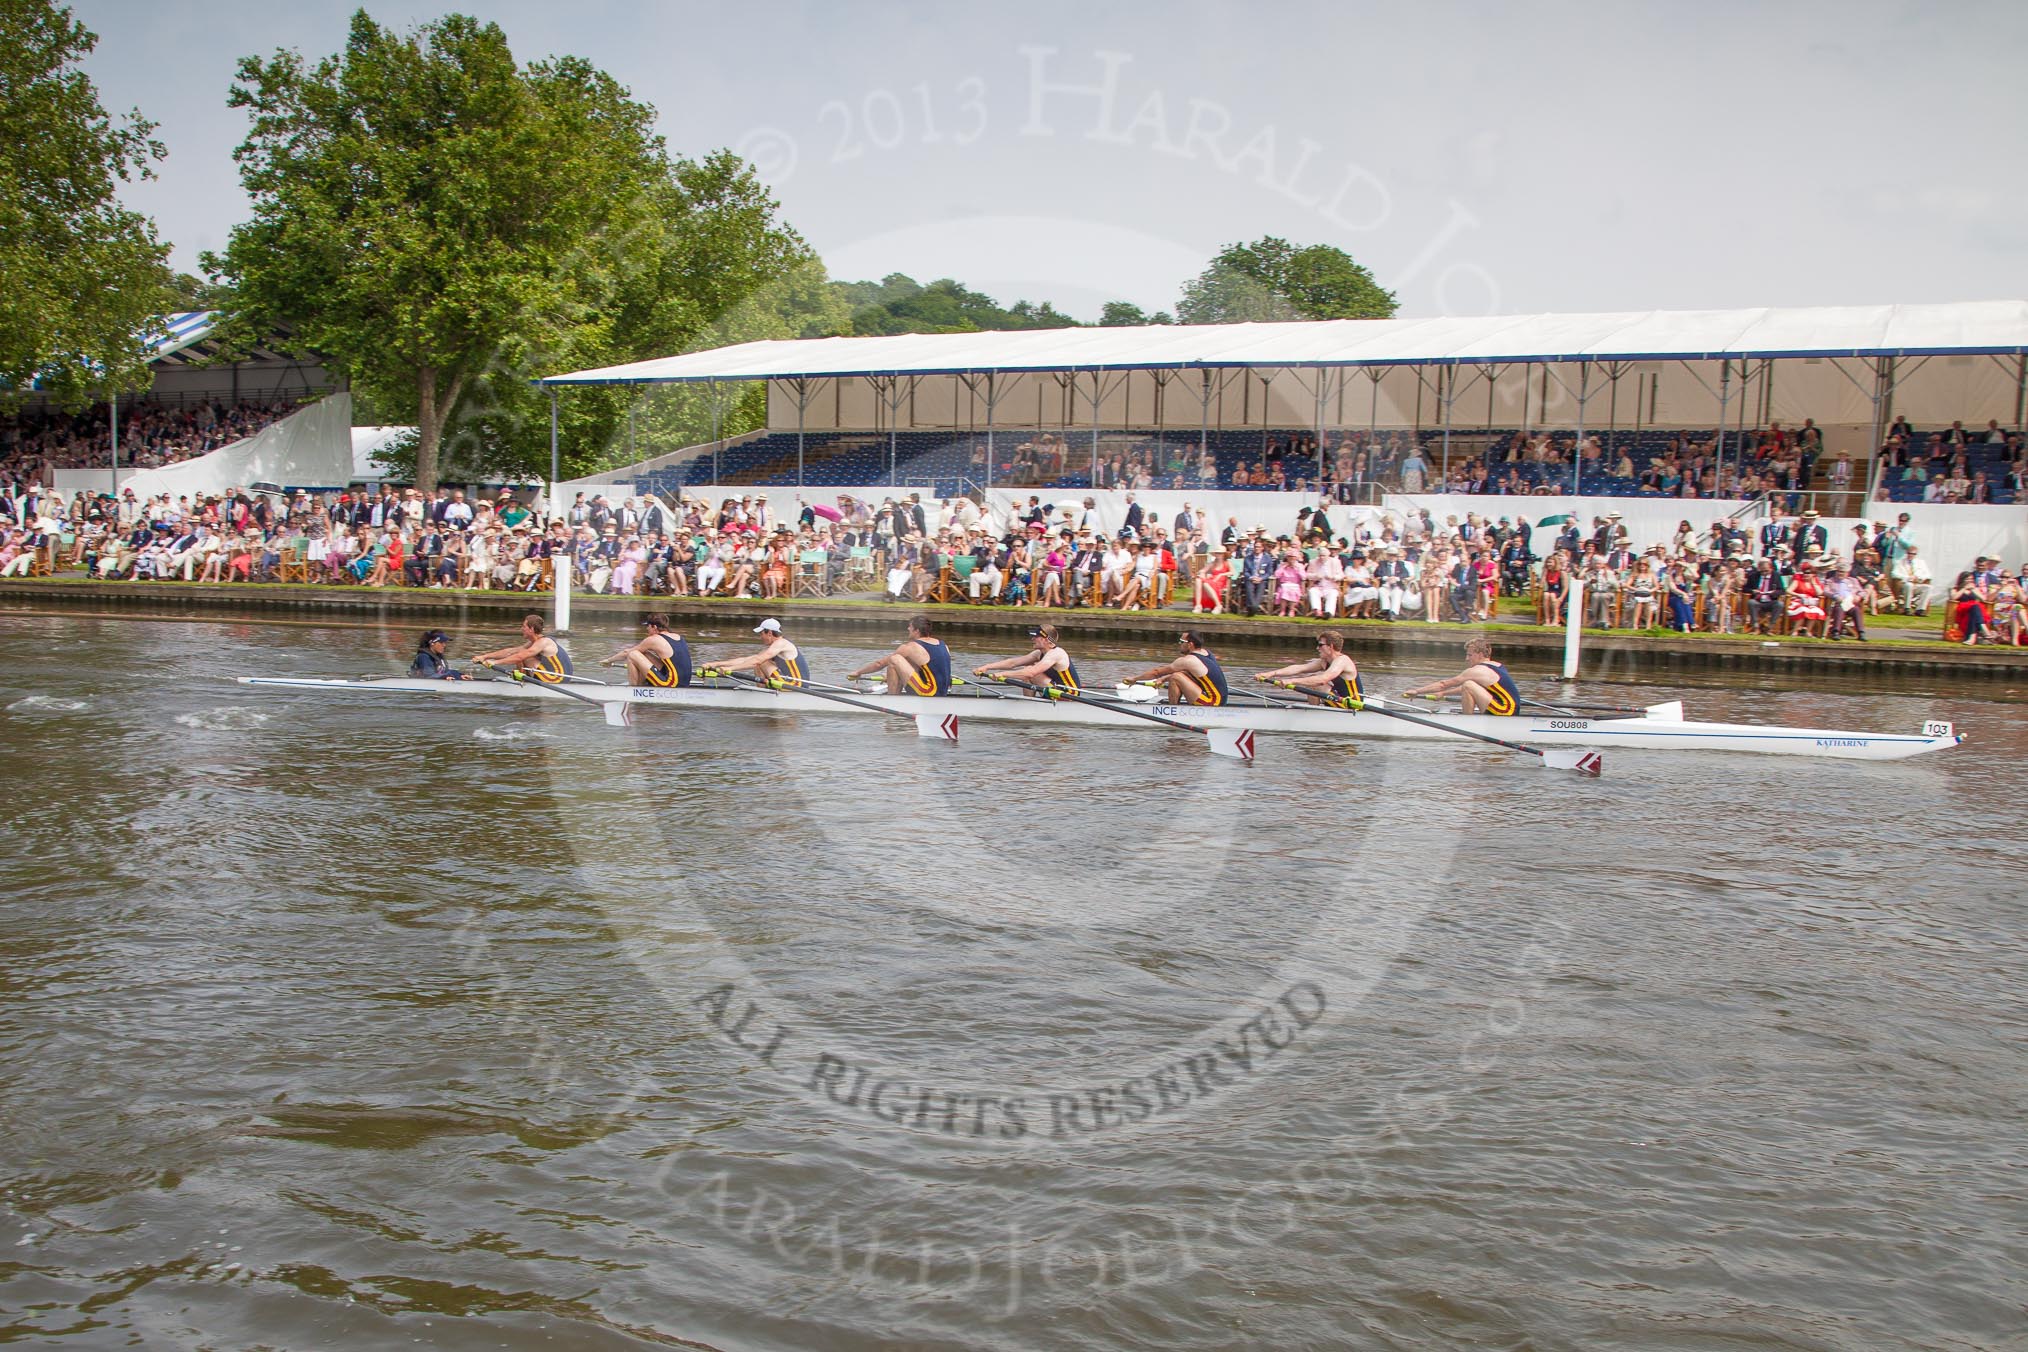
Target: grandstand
(1674,395)
(201,396)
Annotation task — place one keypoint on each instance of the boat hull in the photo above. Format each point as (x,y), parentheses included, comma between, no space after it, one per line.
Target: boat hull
(1646,734)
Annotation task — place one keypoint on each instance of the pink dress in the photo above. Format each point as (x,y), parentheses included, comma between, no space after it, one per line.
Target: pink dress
(631,559)
(1288,583)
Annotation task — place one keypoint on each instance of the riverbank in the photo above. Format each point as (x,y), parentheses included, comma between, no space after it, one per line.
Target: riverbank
(1521,642)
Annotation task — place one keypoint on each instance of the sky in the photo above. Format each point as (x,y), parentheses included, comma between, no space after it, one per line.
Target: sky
(1478,158)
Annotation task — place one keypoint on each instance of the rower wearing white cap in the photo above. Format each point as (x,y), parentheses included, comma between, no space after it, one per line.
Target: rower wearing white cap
(778,662)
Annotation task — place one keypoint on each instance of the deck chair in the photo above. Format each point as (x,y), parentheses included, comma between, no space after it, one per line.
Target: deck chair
(859,573)
(808,577)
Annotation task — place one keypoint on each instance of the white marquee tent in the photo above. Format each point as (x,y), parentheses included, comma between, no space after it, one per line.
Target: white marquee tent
(1845,366)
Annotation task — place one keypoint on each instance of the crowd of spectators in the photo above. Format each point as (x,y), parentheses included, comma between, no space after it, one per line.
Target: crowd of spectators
(35,442)
(1940,467)
(1357,465)
(1785,575)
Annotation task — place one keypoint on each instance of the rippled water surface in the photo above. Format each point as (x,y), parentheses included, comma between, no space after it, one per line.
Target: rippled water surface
(334,1022)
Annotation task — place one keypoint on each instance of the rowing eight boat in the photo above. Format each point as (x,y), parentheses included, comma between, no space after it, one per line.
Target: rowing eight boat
(1649,733)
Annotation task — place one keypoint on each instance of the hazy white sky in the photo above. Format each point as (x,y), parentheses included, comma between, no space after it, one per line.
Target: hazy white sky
(1478,157)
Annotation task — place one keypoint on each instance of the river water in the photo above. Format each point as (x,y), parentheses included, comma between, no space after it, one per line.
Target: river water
(335,1022)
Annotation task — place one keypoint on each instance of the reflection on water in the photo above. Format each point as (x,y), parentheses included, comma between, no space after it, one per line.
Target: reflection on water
(483,1025)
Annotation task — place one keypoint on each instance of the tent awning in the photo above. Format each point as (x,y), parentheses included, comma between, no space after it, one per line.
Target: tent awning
(1999,327)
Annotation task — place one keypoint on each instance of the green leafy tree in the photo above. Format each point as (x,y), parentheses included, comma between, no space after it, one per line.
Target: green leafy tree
(1120,314)
(1225,295)
(900,304)
(1271,279)
(441,224)
(84,276)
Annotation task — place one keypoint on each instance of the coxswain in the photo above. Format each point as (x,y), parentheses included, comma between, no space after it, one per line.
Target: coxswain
(1046,661)
(779,662)
(429,663)
(920,666)
(540,655)
(1484,687)
(660,659)
(1330,677)
(1194,677)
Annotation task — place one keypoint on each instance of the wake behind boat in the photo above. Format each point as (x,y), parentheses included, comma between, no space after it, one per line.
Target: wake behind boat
(1658,729)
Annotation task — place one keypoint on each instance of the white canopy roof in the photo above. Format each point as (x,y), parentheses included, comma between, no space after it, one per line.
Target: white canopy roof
(1691,335)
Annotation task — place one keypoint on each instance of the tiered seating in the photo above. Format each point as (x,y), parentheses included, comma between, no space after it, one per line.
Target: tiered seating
(942,462)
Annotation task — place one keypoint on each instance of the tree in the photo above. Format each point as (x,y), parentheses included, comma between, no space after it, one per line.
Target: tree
(441,224)
(900,304)
(1225,295)
(85,277)
(1272,279)
(1121,314)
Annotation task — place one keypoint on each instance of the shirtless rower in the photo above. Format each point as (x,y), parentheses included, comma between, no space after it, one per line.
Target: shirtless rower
(539,655)
(1330,676)
(920,666)
(1047,662)
(1194,677)
(779,662)
(1484,687)
(660,659)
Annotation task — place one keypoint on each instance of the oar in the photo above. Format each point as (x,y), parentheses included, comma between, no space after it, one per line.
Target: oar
(1670,712)
(1236,743)
(926,725)
(1555,757)
(618,712)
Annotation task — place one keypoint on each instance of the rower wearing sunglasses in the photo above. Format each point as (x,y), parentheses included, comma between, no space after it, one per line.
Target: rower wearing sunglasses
(1329,676)
(1194,677)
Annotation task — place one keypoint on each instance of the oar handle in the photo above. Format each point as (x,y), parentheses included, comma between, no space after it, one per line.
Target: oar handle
(1057,693)
(521,678)
(821,694)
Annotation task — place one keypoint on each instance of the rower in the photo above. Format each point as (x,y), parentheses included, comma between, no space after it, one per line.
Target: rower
(540,655)
(1194,677)
(779,662)
(920,666)
(661,659)
(429,663)
(1047,661)
(1330,677)
(1484,687)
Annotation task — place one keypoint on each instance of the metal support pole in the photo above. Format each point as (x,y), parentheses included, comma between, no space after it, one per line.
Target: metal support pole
(1739,442)
(1204,416)
(1583,394)
(802,405)
(717,442)
(1449,393)
(1096,395)
(1724,400)
(2021,399)
(1266,416)
(1883,394)
(1321,475)
(116,448)
(555,462)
